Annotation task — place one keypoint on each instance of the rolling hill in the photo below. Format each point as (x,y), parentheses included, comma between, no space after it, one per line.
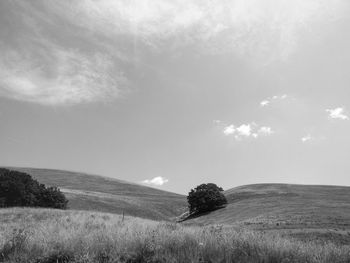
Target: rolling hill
(97,193)
(302,211)
(308,212)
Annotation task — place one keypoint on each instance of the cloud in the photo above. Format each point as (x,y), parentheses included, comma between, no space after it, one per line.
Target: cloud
(229,130)
(244,130)
(337,113)
(270,100)
(265,130)
(307,138)
(59,77)
(156,181)
(264,103)
(311,138)
(268,29)
(70,52)
(247,131)
(43,62)
(284,96)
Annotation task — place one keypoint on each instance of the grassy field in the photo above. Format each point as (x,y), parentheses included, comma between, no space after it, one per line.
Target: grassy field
(301,211)
(103,194)
(275,207)
(53,236)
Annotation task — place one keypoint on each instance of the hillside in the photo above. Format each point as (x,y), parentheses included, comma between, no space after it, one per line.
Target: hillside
(47,236)
(97,193)
(305,212)
(302,211)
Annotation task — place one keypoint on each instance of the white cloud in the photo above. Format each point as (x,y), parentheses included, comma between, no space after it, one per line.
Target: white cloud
(229,130)
(244,130)
(306,138)
(156,181)
(264,103)
(265,130)
(269,100)
(247,130)
(337,113)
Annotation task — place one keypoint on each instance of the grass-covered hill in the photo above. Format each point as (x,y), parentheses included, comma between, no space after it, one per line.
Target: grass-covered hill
(303,211)
(97,193)
(47,236)
(261,223)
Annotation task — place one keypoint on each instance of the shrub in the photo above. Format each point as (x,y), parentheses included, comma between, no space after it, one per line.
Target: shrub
(20,189)
(205,197)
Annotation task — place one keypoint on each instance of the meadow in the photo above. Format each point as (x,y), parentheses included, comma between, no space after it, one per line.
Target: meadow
(53,236)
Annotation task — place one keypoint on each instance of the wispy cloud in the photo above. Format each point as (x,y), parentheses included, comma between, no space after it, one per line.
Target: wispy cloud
(156,181)
(250,130)
(69,52)
(266,29)
(337,113)
(66,77)
(36,66)
(272,99)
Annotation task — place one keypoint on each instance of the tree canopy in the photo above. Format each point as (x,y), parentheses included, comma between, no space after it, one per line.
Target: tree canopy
(20,189)
(205,197)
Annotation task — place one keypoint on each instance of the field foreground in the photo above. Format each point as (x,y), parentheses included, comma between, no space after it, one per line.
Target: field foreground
(45,236)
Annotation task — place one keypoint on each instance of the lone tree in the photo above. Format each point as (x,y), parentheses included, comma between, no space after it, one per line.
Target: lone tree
(205,197)
(20,189)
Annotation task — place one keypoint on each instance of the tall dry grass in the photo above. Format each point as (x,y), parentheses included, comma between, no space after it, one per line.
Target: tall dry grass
(45,236)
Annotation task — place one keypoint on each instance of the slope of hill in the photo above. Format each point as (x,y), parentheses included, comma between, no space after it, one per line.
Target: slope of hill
(303,211)
(47,235)
(97,193)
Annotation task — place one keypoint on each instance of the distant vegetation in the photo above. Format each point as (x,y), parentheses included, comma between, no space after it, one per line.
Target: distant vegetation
(44,236)
(20,189)
(205,198)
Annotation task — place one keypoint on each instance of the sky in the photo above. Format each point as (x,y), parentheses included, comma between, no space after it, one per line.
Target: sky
(175,93)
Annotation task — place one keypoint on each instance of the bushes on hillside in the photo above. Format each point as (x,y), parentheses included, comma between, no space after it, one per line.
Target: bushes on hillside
(205,197)
(20,189)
